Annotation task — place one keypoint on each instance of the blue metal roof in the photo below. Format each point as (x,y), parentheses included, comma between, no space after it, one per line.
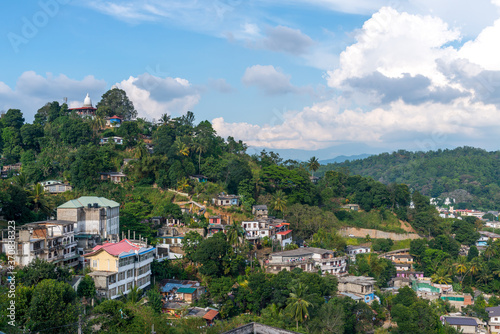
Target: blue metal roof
(460,321)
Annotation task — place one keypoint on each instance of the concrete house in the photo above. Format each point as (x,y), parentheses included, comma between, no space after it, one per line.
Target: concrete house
(309,259)
(117,267)
(93,215)
(260,211)
(360,286)
(52,241)
(55,187)
(494,321)
(226,200)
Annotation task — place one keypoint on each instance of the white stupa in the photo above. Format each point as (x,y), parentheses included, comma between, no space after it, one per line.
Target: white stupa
(87,103)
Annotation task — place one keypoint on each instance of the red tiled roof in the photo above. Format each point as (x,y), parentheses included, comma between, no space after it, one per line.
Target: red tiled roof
(284,232)
(210,315)
(116,248)
(115,117)
(82,108)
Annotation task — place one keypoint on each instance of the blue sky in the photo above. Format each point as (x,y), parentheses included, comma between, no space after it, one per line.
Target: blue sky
(318,77)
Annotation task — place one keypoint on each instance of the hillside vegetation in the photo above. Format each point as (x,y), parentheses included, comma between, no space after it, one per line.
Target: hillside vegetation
(470,175)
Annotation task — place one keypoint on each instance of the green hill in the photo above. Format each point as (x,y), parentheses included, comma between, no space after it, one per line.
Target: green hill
(470,175)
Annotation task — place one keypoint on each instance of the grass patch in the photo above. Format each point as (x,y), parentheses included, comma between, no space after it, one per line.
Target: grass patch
(401,244)
(375,219)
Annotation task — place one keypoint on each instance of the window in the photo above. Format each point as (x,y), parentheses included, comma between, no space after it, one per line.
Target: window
(112,279)
(94,263)
(121,276)
(130,273)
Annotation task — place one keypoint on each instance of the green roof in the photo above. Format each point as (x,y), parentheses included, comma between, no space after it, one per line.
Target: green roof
(84,201)
(186,290)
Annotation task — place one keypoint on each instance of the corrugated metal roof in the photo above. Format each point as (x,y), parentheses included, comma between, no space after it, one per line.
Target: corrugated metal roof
(461,321)
(186,290)
(84,201)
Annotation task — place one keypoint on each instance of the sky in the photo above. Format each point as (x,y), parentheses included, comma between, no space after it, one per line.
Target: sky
(302,78)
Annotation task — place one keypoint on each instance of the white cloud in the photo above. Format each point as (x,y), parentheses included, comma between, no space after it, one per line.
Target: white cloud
(325,124)
(270,80)
(401,84)
(153,96)
(393,44)
(485,49)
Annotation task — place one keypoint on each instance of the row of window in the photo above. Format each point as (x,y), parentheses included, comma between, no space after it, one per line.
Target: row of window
(143,269)
(144,280)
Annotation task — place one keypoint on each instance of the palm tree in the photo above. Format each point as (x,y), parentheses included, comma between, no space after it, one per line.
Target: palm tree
(297,303)
(313,164)
(279,201)
(97,123)
(182,148)
(140,150)
(38,198)
(133,296)
(21,181)
(233,235)
(183,184)
(461,265)
(442,276)
(484,274)
(200,147)
(164,119)
(489,251)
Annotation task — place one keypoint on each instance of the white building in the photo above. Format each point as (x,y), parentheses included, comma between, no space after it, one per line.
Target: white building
(117,267)
(309,259)
(52,241)
(494,322)
(355,250)
(93,215)
(55,187)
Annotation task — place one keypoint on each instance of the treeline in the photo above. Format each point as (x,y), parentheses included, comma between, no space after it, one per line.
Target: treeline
(436,173)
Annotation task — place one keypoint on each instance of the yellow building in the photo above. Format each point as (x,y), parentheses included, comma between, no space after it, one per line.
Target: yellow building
(117,267)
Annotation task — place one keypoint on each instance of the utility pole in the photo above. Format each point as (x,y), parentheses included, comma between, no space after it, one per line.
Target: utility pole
(153,329)
(79,324)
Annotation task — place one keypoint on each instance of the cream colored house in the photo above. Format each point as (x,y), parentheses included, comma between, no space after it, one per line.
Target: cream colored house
(117,267)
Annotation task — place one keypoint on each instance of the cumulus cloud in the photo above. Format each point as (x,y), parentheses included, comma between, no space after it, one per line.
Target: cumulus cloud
(401,82)
(285,39)
(394,43)
(325,124)
(484,50)
(270,80)
(32,91)
(154,96)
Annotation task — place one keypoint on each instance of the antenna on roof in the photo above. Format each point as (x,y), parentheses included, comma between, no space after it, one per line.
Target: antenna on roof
(65,99)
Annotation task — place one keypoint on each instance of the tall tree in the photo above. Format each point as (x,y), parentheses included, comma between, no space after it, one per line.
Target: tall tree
(279,201)
(297,304)
(117,100)
(313,164)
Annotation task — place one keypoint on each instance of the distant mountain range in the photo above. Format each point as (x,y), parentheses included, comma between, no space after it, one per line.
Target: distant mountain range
(342,158)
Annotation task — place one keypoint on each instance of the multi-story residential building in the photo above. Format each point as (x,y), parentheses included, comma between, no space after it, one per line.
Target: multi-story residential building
(494,321)
(256,230)
(308,259)
(260,211)
(53,241)
(117,267)
(357,287)
(93,215)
